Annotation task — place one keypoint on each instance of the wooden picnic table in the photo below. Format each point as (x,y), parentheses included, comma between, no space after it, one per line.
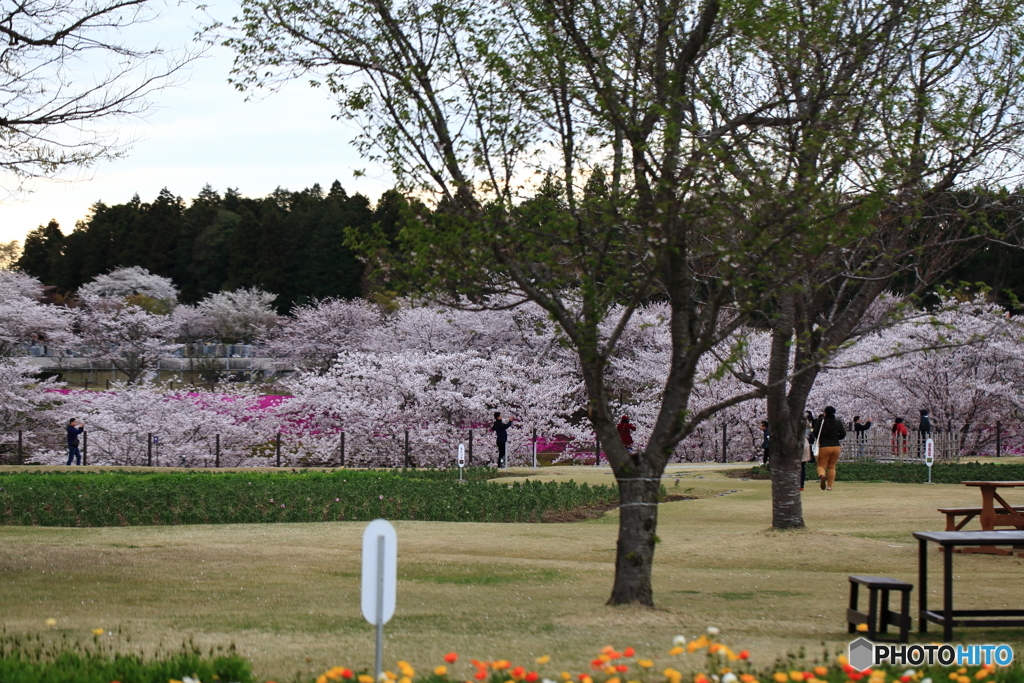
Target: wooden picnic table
(989,514)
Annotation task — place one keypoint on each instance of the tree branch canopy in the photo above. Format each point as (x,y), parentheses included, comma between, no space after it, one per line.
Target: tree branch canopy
(64,69)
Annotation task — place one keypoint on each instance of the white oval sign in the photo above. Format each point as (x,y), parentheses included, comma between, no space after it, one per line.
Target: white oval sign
(929,452)
(380,571)
(462,455)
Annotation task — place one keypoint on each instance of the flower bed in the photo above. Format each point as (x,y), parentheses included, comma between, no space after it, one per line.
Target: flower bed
(701,660)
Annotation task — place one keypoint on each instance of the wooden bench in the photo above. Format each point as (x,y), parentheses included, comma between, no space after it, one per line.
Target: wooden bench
(968,514)
(879,617)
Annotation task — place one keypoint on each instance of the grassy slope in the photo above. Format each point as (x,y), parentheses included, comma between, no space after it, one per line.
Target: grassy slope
(288,594)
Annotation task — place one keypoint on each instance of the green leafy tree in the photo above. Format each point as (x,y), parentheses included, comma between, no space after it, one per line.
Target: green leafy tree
(590,156)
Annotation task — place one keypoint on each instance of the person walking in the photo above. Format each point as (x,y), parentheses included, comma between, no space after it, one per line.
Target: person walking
(828,431)
(500,430)
(75,428)
(626,429)
(807,456)
(860,433)
(765,444)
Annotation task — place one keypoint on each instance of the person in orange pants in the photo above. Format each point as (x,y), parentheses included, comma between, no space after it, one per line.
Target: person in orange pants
(828,432)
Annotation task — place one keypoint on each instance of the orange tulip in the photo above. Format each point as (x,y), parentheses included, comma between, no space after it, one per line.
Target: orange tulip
(451,658)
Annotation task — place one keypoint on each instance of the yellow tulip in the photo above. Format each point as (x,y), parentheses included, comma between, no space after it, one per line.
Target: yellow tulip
(841,660)
(863,628)
(645,663)
(543,660)
(440,670)
(365,678)
(321,679)
(780,677)
(51,622)
(97,632)
(676,651)
(566,676)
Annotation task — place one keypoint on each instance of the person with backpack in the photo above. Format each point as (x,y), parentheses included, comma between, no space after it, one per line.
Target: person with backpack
(828,432)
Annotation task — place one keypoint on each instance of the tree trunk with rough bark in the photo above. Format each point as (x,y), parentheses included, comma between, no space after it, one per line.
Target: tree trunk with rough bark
(638,522)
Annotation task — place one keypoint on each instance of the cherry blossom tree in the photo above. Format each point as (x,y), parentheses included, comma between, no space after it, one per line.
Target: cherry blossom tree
(963,364)
(187,425)
(125,282)
(24,320)
(131,339)
(241,315)
(314,334)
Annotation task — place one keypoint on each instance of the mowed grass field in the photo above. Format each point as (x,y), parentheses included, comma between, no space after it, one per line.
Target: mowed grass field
(287,595)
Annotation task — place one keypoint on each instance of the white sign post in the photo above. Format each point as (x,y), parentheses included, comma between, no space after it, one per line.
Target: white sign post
(929,457)
(380,577)
(462,459)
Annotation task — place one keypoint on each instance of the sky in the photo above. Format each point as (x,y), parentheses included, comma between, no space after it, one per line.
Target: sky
(203,132)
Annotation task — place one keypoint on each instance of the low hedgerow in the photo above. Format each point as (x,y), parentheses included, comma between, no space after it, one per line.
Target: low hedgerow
(912,473)
(28,659)
(114,498)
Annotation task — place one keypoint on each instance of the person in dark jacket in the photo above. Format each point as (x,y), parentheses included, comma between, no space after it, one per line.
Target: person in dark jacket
(500,430)
(75,428)
(860,433)
(765,443)
(626,429)
(924,431)
(829,431)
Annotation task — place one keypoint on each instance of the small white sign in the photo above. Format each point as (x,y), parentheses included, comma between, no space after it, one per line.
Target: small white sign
(929,452)
(462,455)
(380,571)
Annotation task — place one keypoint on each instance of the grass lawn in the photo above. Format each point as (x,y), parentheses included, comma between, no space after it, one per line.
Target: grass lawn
(287,595)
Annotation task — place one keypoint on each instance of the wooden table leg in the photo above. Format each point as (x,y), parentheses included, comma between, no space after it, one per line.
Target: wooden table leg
(922,580)
(947,596)
(988,508)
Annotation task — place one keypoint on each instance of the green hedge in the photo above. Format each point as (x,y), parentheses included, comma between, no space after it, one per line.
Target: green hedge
(28,659)
(951,473)
(115,498)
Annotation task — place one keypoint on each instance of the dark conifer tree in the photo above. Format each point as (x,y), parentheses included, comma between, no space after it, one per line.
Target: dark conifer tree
(41,255)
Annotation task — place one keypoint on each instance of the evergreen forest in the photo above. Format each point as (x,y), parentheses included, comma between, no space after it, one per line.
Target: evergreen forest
(288,243)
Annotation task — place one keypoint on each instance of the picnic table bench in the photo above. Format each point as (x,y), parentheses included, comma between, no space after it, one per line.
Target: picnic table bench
(970,513)
(994,512)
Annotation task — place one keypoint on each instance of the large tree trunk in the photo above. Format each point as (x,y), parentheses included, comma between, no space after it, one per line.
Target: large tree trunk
(786,453)
(638,521)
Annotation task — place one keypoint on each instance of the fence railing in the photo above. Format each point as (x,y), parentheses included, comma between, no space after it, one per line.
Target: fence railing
(882,446)
(194,350)
(405,448)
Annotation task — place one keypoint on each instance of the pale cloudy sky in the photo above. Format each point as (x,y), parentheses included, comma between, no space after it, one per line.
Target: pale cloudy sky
(205,132)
